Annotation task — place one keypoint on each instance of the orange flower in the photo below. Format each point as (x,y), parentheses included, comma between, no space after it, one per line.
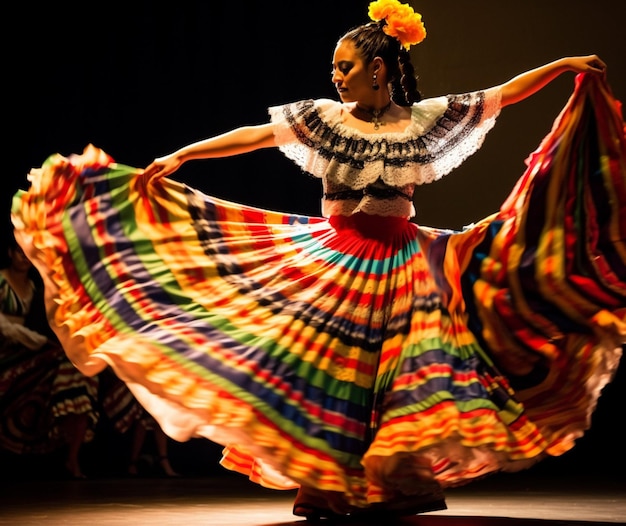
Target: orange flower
(402,22)
(381,9)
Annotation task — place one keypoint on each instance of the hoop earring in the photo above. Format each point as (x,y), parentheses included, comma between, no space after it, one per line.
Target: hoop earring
(375,85)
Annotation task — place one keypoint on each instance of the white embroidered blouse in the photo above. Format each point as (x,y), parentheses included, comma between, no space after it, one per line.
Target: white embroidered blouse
(377,173)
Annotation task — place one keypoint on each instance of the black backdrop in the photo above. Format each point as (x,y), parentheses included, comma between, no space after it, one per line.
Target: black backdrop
(142,78)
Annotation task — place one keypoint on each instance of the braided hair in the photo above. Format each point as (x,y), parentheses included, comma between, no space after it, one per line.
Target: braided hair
(371,41)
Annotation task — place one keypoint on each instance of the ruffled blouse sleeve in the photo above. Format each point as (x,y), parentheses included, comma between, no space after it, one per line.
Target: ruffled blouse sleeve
(443,132)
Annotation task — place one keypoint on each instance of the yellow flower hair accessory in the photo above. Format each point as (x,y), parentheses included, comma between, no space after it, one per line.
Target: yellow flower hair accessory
(402,22)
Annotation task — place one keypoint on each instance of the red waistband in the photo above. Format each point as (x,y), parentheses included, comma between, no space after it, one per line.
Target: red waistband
(374,226)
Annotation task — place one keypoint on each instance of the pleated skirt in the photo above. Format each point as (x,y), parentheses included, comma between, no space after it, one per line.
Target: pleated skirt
(365,355)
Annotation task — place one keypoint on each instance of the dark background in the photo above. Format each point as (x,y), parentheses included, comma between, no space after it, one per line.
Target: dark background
(139,79)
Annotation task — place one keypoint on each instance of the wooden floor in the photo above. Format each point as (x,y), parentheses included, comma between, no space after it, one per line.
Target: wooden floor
(230,500)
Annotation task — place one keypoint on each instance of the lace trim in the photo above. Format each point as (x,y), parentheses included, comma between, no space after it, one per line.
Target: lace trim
(443,132)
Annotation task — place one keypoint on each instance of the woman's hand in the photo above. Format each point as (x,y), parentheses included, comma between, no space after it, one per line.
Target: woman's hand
(162,167)
(158,169)
(587,64)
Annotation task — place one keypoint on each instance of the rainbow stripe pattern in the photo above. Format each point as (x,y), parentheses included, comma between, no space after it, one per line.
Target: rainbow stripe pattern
(364,355)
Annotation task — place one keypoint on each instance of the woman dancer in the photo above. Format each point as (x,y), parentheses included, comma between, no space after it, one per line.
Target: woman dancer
(364,359)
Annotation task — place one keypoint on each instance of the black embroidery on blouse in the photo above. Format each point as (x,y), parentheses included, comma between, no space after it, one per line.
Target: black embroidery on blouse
(371,191)
(464,112)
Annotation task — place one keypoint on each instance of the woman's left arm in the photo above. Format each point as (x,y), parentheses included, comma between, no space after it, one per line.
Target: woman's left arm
(525,84)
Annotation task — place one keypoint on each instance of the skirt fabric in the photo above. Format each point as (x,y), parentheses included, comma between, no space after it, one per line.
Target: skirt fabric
(365,355)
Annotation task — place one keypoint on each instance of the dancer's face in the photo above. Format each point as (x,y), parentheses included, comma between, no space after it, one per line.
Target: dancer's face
(351,77)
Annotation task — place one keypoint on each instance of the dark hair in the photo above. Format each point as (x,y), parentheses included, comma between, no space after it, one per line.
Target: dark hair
(371,41)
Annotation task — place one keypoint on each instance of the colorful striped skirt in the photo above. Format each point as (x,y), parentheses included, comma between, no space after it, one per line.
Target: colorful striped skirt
(364,355)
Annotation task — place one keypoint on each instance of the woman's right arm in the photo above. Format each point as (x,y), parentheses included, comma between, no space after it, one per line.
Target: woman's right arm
(235,142)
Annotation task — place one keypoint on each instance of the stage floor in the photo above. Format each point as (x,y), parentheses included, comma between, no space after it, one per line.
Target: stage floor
(230,500)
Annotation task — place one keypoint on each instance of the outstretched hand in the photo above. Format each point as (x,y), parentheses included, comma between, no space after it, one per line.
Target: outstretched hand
(161,167)
(588,64)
